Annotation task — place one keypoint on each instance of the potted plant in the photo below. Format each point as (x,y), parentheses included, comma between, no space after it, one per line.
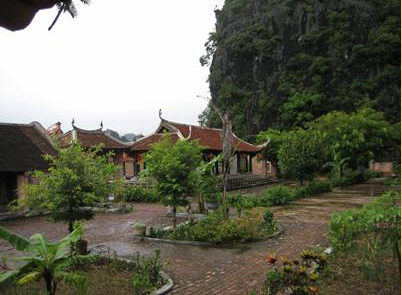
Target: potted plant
(212,201)
(122,206)
(81,245)
(139,229)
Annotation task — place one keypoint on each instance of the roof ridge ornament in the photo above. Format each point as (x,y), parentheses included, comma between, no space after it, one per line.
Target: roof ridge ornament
(189,133)
(160,115)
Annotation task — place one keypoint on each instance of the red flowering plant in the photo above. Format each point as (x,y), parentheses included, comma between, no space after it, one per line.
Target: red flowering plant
(295,277)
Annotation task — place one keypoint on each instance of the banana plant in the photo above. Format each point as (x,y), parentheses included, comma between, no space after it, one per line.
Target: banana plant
(51,262)
(338,164)
(204,180)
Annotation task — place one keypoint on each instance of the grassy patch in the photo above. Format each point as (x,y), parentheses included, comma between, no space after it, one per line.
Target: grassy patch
(349,273)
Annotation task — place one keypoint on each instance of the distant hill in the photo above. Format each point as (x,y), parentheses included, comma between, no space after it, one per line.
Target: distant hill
(126,137)
(131,137)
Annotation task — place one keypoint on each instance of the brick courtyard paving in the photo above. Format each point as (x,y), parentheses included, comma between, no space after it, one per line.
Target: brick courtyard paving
(211,270)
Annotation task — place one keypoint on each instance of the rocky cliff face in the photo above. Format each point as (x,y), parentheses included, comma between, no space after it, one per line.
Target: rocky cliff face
(281,63)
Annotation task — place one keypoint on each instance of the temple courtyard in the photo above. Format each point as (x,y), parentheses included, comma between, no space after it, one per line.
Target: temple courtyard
(212,270)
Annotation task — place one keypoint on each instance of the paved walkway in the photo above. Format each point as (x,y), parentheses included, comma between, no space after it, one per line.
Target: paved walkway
(210,270)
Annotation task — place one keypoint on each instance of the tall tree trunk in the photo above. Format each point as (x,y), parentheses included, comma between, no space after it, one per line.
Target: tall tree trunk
(174,216)
(398,253)
(226,158)
(201,206)
(54,288)
(70,226)
(48,280)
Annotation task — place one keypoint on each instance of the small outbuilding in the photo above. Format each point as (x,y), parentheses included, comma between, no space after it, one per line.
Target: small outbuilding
(22,147)
(92,138)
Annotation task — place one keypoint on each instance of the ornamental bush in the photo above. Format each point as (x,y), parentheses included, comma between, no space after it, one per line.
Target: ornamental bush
(147,273)
(140,194)
(278,195)
(296,277)
(268,216)
(214,229)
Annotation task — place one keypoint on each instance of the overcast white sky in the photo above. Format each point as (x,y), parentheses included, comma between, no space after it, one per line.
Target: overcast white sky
(119,62)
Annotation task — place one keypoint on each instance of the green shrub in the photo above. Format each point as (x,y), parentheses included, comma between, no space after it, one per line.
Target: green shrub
(301,192)
(214,229)
(368,174)
(140,194)
(278,195)
(243,202)
(147,273)
(268,216)
(318,187)
(213,198)
(313,188)
(353,177)
(392,181)
(371,229)
(349,178)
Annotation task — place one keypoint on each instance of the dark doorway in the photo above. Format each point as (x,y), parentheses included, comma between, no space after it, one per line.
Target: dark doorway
(8,187)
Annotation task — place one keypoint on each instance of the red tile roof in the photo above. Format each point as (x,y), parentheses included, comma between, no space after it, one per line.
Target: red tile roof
(89,138)
(209,138)
(212,138)
(144,143)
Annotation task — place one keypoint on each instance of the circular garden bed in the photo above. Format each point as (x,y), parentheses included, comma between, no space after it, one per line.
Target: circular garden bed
(254,225)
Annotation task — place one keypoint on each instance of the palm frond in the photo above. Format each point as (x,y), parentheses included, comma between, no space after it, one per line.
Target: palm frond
(18,242)
(71,9)
(8,275)
(38,244)
(30,277)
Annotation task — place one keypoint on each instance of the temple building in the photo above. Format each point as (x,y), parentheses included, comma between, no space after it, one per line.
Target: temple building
(210,139)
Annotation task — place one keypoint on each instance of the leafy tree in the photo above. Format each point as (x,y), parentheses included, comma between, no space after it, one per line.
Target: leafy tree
(276,138)
(206,183)
(47,261)
(357,136)
(301,108)
(76,178)
(301,154)
(173,166)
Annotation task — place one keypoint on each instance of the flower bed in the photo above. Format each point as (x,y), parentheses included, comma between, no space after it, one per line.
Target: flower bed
(213,229)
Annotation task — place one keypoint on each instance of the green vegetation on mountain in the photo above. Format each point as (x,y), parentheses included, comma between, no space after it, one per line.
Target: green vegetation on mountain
(283,63)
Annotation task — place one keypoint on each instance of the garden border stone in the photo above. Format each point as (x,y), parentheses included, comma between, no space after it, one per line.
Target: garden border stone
(209,244)
(30,213)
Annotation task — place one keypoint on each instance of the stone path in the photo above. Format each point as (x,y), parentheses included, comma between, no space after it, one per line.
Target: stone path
(211,270)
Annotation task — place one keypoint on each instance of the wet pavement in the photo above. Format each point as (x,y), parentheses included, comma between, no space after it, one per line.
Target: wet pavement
(211,270)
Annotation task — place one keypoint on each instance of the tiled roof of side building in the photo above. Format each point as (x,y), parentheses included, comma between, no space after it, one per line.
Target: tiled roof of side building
(22,147)
(211,138)
(145,143)
(91,138)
